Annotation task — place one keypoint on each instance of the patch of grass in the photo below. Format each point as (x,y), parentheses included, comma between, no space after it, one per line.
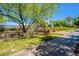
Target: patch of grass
(9,47)
(64,29)
(51,36)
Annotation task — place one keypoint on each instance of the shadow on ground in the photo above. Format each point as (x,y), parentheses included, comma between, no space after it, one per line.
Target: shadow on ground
(47,38)
(58,47)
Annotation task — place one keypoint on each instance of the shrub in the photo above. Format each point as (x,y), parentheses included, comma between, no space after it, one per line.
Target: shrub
(46,32)
(12,29)
(59,29)
(2,28)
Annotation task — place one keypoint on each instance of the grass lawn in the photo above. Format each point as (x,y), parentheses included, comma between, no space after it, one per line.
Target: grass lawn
(9,47)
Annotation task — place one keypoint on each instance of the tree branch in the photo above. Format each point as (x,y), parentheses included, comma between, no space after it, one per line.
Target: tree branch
(16,20)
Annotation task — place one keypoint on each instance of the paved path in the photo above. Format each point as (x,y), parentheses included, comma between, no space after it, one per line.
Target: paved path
(62,46)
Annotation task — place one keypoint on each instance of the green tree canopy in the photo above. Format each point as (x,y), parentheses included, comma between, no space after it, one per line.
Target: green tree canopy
(24,14)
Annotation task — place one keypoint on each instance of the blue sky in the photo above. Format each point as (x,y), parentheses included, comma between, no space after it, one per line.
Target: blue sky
(67,9)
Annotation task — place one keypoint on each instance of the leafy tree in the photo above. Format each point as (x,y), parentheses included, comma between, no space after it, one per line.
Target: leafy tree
(56,23)
(2,20)
(59,23)
(51,23)
(69,19)
(63,23)
(27,14)
(76,21)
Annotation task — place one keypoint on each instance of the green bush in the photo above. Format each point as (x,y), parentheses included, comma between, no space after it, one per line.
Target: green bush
(2,28)
(60,28)
(12,29)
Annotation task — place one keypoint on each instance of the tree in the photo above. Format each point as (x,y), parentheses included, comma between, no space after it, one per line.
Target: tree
(56,23)
(59,23)
(51,23)
(76,21)
(2,20)
(69,19)
(24,14)
(63,23)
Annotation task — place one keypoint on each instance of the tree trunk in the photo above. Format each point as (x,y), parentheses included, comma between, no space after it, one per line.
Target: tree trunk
(23,29)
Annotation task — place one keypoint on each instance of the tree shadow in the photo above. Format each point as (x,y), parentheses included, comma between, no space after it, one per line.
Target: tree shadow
(58,47)
(44,37)
(47,38)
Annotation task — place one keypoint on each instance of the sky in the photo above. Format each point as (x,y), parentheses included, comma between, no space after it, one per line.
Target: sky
(65,9)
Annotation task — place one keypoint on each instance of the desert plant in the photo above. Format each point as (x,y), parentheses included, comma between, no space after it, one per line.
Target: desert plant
(2,28)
